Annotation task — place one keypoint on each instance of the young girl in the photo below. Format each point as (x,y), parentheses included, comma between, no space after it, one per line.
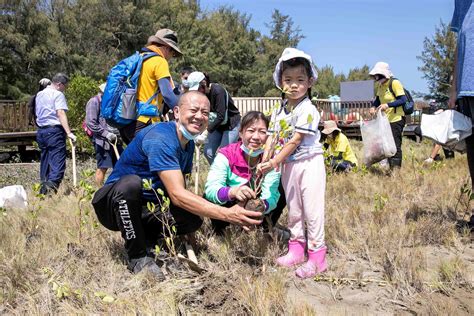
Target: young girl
(302,163)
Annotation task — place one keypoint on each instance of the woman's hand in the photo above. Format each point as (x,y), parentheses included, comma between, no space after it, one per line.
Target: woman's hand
(242,193)
(383,107)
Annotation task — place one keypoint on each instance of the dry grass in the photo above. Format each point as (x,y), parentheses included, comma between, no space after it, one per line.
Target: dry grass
(394,245)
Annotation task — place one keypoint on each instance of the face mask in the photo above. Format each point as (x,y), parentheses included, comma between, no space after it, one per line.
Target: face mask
(250,152)
(187,134)
(185,83)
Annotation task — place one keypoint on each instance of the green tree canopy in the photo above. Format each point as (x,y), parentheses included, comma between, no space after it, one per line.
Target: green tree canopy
(438,61)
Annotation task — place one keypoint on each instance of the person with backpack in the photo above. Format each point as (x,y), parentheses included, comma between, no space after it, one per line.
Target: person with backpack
(155,86)
(390,98)
(43,83)
(53,128)
(103,137)
(224,118)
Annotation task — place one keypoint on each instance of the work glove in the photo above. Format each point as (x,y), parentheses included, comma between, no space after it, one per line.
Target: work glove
(428,161)
(111,137)
(72,137)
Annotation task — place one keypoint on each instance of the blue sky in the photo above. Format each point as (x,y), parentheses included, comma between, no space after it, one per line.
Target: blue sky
(350,33)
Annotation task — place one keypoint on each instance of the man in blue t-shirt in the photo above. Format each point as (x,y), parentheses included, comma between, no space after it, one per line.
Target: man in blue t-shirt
(163,154)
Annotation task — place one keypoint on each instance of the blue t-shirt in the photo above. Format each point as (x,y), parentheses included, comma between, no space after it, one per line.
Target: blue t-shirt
(155,148)
(463,24)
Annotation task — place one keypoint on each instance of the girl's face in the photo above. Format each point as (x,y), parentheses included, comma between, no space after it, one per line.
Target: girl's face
(296,82)
(254,135)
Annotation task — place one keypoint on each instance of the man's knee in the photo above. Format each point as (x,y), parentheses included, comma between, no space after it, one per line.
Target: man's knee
(130,187)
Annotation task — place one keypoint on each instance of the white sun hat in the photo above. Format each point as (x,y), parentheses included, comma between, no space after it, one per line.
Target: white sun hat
(381,68)
(194,79)
(290,53)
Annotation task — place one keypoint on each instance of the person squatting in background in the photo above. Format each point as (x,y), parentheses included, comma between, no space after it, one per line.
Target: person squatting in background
(154,83)
(103,136)
(340,154)
(232,178)
(53,127)
(302,163)
(224,118)
(391,104)
(43,83)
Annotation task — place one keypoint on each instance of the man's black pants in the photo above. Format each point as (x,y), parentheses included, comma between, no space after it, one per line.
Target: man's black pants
(119,206)
(467,108)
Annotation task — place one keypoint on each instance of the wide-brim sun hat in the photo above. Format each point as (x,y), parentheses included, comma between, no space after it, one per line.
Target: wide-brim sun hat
(290,53)
(194,79)
(329,127)
(381,68)
(166,37)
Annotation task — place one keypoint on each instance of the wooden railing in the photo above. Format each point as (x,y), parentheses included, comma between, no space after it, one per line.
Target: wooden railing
(14,116)
(263,104)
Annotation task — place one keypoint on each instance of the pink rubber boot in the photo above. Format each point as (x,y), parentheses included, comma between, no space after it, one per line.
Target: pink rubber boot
(294,256)
(316,263)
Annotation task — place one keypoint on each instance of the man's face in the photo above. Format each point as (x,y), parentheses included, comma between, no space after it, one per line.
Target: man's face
(168,52)
(62,86)
(193,113)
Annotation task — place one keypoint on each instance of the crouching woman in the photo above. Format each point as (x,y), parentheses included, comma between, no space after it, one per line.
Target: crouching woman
(340,154)
(233,179)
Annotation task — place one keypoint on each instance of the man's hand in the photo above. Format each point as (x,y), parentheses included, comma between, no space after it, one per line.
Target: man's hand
(72,137)
(111,137)
(382,107)
(242,193)
(239,216)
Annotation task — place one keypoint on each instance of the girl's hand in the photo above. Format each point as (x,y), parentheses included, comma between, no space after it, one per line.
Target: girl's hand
(242,193)
(383,107)
(266,167)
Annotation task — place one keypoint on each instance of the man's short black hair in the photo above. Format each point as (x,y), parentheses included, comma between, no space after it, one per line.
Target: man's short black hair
(60,78)
(187,70)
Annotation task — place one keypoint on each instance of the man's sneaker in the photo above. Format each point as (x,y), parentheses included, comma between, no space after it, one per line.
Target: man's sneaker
(146,264)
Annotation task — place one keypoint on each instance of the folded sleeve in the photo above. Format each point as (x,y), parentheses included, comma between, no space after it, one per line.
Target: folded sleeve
(270,192)
(307,119)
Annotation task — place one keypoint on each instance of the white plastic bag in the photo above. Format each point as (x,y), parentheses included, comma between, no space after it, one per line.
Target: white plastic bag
(13,196)
(447,128)
(377,139)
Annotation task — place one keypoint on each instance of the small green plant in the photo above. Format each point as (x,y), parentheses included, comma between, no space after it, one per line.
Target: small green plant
(465,197)
(161,212)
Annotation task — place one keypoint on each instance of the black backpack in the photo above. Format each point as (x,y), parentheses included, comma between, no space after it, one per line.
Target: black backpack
(409,106)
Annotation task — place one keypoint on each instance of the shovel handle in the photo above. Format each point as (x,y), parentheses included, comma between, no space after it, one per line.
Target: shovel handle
(74,175)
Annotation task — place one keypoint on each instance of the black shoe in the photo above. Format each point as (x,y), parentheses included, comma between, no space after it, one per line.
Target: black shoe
(146,264)
(282,234)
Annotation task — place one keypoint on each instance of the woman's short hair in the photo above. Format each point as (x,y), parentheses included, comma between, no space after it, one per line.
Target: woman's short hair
(251,117)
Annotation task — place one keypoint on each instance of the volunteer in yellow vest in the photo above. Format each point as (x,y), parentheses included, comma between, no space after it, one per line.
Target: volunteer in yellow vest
(154,83)
(337,145)
(391,104)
